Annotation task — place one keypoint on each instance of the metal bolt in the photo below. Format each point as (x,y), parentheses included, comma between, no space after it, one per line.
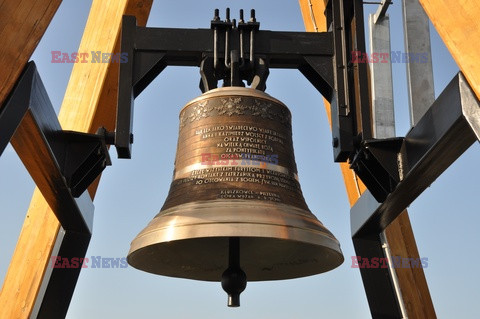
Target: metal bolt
(109,138)
(252,16)
(216,15)
(241,16)
(335,142)
(227,15)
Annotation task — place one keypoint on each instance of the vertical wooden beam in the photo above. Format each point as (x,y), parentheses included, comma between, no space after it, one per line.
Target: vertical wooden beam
(413,284)
(458,25)
(314,22)
(399,234)
(22,25)
(89,102)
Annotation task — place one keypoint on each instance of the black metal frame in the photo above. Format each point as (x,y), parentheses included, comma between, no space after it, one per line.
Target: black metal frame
(446,131)
(409,165)
(350,106)
(76,159)
(70,162)
(324,58)
(233,54)
(150,50)
(396,171)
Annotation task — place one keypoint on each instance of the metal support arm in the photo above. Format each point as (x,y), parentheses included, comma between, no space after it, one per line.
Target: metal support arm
(246,53)
(62,164)
(446,131)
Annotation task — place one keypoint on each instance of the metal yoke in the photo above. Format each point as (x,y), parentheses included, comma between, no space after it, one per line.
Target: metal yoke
(236,53)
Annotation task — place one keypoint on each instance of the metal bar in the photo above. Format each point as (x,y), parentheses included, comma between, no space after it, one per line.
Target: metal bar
(187,45)
(381,296)
(12,113)
(443,134)
(418,56)
(63,280)
(381,11)
(383,113)
(123,131)
(393,275)
(360,73)
(383,127)
(38,145)
(342,118)
(48,274)
(471,114)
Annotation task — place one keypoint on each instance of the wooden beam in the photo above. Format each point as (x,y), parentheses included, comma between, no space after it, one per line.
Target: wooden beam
(89,102)
(399,234)
(22,25)
(313,21)
(36,142)
(458,25)
(412,281)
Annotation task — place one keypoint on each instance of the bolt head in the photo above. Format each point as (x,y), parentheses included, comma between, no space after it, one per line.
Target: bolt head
(335,142)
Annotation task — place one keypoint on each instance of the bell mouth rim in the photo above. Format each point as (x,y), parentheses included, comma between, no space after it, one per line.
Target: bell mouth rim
(208,232)
(234,91)
(335,259)
(244,212)
(267,226)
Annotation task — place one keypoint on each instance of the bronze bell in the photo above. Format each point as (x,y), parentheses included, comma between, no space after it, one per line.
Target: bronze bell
(235,206)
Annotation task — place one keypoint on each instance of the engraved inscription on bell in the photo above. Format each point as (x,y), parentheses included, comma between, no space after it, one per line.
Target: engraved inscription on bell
(235,148)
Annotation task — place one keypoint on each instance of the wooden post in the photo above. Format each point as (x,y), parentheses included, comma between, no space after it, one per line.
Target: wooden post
(22,25)
(89,102)
(458,25)
(399,234)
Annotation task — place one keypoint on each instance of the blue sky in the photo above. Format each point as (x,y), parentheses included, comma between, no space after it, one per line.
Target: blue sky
(444,217)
